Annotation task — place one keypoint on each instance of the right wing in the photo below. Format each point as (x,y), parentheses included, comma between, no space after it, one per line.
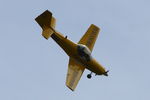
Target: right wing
(90,36)
(74,74)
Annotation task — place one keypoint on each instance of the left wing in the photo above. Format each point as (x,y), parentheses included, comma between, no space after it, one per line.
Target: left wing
(90,36)
(74,74)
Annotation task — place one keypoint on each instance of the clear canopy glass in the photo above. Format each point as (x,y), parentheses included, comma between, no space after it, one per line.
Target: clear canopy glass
(84,52)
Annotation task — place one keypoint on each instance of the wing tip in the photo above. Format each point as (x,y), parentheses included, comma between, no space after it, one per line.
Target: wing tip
(93,25)
(72,89)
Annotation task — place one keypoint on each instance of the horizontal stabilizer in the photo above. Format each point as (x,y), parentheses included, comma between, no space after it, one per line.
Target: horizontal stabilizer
(47,23)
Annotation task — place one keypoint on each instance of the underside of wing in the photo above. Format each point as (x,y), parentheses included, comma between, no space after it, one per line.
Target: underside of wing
(90,36)
(74,74)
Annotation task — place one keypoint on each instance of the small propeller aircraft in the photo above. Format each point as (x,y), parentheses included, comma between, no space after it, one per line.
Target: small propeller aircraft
(79,53)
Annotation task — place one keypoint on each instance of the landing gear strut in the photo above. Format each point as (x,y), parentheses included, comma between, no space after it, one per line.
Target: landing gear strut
(89,76)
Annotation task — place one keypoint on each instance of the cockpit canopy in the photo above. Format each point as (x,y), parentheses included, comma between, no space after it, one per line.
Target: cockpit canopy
(84,52)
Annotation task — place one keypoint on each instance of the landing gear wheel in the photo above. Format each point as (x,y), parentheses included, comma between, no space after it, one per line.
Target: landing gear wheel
(89,76)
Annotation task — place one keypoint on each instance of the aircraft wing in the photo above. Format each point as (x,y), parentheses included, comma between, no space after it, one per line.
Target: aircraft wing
(74,74)
(90,36)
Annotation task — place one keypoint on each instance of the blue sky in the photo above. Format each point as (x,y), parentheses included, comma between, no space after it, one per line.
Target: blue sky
(32,68)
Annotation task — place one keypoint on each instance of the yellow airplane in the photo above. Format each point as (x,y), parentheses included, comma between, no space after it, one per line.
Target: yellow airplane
(79,53)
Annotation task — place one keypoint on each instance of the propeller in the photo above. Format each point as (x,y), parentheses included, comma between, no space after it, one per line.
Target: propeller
(106,73)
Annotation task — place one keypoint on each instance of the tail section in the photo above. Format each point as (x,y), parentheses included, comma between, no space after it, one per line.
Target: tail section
(47,23)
